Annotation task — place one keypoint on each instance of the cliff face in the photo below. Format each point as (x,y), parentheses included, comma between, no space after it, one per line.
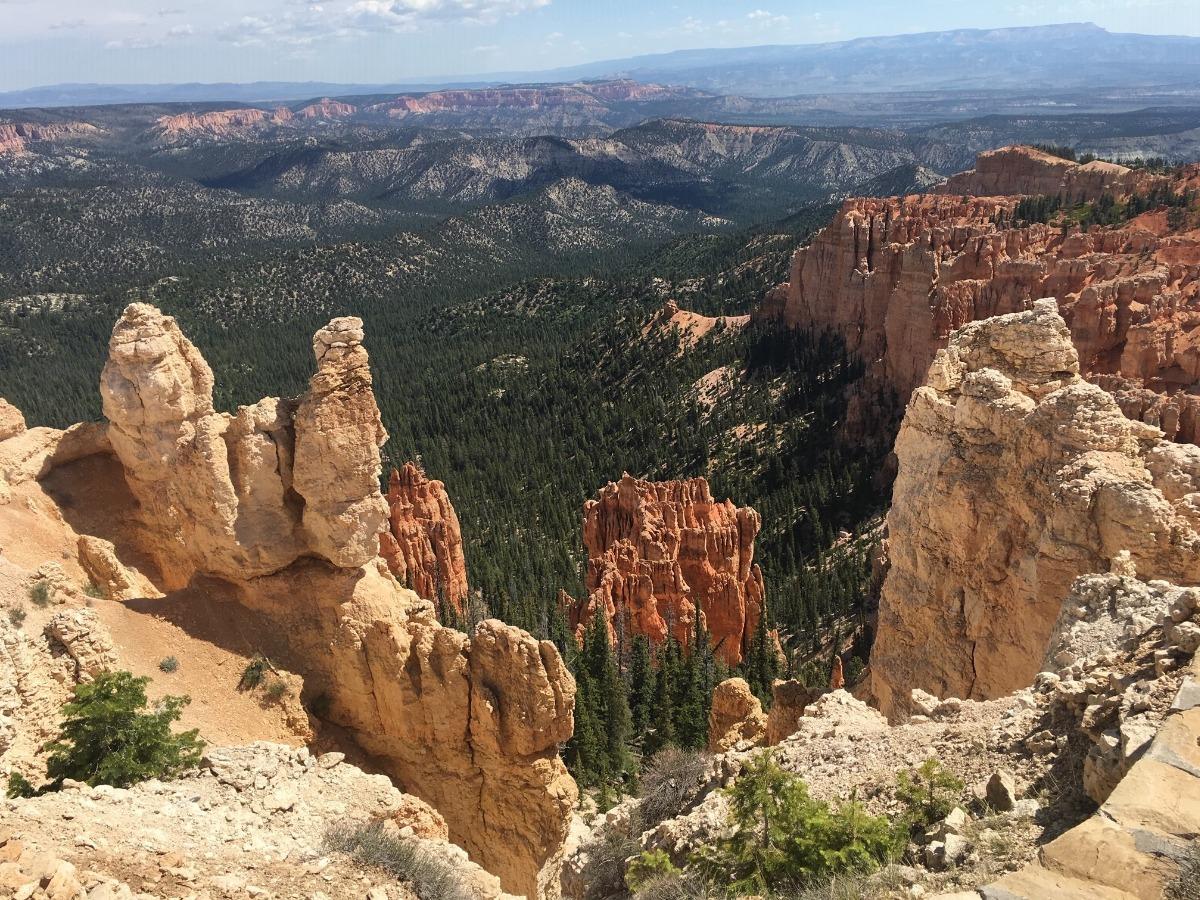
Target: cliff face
(326,109)
(1025,170)
(423,544)
(219,123)
(895,276)
(659,550)
(281,502)
(15,136)
(1015,477)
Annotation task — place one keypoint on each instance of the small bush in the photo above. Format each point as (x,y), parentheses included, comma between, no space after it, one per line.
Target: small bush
(255,673)
(1186,885)
(604,871)
(93,591)
(370,845)
(275,690)
(19,787)
(928,792)
(168,664)
(39,594)
(670,781)
(783,838)
(107,738)
(652,865)
(16,616)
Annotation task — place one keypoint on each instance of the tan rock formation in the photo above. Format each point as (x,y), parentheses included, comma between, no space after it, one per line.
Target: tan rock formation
(115,580)
(1015,477)
(1027,170)
(659,550)
(282,502)
(690,327)
(789,700)
(895,276)
(12,422)
(81,635)
(736,716)
(423,545)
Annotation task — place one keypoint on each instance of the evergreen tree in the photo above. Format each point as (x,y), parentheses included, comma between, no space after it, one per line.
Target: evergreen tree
(641,686)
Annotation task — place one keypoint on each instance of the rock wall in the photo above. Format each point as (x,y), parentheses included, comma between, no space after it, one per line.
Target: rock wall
(1015,477)
(895,276)
(281,501)
(659,550)
(423,544)
(1027,170)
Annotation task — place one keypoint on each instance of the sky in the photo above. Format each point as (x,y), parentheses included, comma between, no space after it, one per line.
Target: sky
(411,41)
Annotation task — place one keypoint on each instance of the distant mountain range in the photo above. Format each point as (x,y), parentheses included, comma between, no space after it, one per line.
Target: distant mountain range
(1054,58)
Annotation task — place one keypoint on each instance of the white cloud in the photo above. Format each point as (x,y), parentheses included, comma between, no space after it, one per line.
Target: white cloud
(764,19)
(409,15)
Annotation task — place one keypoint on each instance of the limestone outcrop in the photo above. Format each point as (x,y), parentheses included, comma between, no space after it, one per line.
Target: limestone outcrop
(325,108)
(1015,477)
(894,277)
(423,544)
(80,635)
(281,502)
(660,551)
(789,700)
(12,422)
(735,717)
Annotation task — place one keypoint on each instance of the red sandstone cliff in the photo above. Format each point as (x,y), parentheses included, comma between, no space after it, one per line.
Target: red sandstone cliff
(656,550)
(220,122)
(15,136)
(894,276)
(326,109)
(423,545)
(1026,170)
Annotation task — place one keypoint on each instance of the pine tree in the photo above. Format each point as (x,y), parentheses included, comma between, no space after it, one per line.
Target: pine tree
(641,686)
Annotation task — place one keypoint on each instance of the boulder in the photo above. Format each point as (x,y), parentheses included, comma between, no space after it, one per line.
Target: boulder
(735,717)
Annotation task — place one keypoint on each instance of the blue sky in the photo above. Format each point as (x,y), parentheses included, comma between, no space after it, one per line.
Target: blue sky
(48,41)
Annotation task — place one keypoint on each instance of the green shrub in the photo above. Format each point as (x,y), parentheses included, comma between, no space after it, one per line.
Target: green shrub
(604,871)
(39,594)
(928,792)
(782,837)
(275,690)
(107,738)
(254,674)
(19,787)
(16,616)
(93,591)
(168,664)
(650,866)
(370,845)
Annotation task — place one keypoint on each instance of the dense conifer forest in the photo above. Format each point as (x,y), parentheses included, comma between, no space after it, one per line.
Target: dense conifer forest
(526,399)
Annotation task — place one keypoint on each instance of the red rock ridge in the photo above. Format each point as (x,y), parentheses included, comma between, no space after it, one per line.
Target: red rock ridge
(423,545)
(1026,171)
(15,136)
(894,276)
(220,122)
(326,109)
(656,550)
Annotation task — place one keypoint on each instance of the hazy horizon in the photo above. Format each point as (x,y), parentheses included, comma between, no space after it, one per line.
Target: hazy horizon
(421,41)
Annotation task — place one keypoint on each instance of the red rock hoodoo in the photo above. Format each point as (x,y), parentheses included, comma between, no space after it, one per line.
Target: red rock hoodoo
(895,276)
(423,545)
(657,551)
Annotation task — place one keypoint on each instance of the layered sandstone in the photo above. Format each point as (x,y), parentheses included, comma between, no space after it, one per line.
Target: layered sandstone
(1027,170)
(423,544)
(219,123)
(280,501)
(1015,477)
(326,108)
(893,277)
(15,137)
(661,553)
